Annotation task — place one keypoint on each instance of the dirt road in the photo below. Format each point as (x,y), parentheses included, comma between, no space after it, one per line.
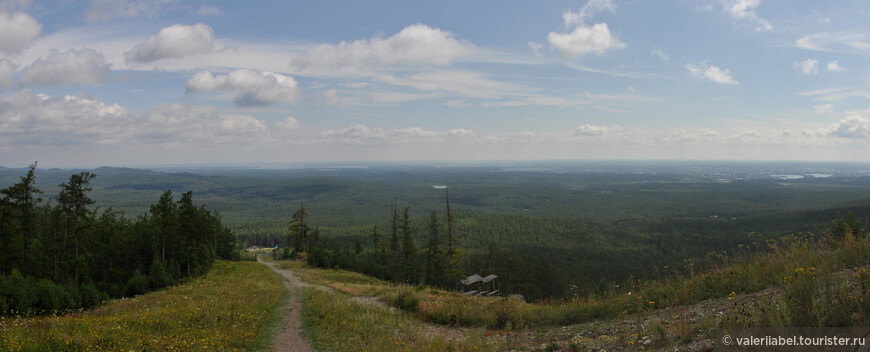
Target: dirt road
(288,331)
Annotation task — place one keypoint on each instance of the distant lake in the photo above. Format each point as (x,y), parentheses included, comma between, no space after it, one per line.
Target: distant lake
(787,177)
(439,187)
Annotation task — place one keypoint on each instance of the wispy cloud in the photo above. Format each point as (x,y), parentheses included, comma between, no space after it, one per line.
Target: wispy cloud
(711,73)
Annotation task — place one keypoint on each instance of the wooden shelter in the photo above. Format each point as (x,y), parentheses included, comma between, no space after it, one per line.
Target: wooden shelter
(485,286)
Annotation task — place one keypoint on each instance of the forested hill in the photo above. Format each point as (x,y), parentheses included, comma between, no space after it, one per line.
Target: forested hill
(61,252)
(552,226)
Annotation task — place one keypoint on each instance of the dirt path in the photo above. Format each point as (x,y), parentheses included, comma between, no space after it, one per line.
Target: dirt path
(288,337)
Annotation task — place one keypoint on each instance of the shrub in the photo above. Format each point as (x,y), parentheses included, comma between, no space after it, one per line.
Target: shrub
(49,297)
(158,277)
(138,284)
(91,296)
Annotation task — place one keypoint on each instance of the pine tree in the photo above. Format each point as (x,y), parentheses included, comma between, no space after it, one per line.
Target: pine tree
(21,199)
(411,267)
(394,250)
(299,229)
(435,266)
(454,253)
(163,214)
(74,200)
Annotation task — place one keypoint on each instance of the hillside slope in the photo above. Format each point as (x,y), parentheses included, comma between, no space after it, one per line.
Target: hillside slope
(794,282)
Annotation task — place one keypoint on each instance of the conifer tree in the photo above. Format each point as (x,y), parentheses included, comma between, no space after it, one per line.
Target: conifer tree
(395,251)
(454,253)
(299,229)
(411,267)
(75,200)
(435,266)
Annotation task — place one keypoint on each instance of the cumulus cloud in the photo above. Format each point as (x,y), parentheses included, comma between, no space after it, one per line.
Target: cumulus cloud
(855,124)
(72,67)
(592,130)
(583,40)
(30,119)
(809,66)
(17,31)
(251,87)
(745,10)
(417,44)
(174,41)
(7,71)
(290,123)
(459,133)
(110,10)
(711,73)
(834,66)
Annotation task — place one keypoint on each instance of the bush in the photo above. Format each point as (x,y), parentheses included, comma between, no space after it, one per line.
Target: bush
(158,277)
(15,288)
(137,285)
(91,296)
(49,297)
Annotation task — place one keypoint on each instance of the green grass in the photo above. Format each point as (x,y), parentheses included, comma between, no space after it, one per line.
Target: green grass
(228,309)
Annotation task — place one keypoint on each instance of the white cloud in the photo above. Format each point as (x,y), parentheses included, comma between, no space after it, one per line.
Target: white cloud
(459,133)
(251,87)
(837,94)
(711,73)
(659,53)
(824,109)
(856,124)
(290,123)
(73,67)
(174,41)
(745,10)
(7,71)
(417,44)
(840,41)
(464,83)
(588,10)
(362,134)
(110,10)
(80,121)
(536,48)
(207,10)
(809,66)
(583,40)
(834,66)
(17,31)
(592,130)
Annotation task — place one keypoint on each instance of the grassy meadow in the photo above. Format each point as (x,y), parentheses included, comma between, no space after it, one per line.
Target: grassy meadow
(228,309)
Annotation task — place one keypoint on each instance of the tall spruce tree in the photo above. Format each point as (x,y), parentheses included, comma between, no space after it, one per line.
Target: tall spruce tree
(395,250)
(410,265)
(19,203)
(75,201)
(299,229)
(454,253)
(435,264)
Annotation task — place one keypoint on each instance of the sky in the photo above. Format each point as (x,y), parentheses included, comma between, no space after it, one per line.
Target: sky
(167,82)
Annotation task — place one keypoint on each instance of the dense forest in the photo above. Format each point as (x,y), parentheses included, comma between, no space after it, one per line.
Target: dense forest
(547,229)
(64,253)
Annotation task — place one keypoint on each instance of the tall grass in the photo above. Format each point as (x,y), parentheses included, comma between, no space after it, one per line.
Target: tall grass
(337,324)
(225,310)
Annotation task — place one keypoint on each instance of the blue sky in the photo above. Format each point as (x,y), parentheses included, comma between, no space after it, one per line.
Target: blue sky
(134,82)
